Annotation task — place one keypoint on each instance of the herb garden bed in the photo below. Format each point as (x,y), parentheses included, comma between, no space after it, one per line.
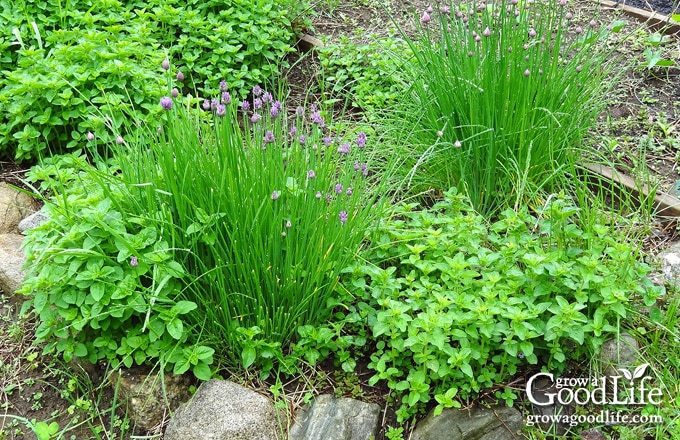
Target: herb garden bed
(641,129)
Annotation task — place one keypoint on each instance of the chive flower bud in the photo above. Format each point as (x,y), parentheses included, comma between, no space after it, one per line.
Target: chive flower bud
(166,103)
(361,140)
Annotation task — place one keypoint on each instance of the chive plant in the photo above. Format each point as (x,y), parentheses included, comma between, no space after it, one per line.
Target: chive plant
(502,96)
(271,205)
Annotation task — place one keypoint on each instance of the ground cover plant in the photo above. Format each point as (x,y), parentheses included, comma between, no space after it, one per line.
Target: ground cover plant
(85,66)
(454,305)
(502,97)
(364,74)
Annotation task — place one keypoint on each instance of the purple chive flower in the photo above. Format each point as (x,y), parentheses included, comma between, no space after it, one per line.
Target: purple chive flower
(267,97)
(303,139)
(429,10)
(257,103)
(90,136)
(223,86)
(269,137)
(361,139)
(166,103)
(311,174)
(174,92)
(274,112)
(338,188)
(445,9)
(226,98)
(357,166)
(220,110)
(425,18)
(457,144)
(245,105)
(578,29)
(213,103)
(165,64)
(532,33)
(293,131)
(478,39)
(327,140)
(257,90)
(569,16)
(180,76)
(486,32)
(120,140)
(318,195)
(317,118)
(134,262)
(349,191)
(275,195)
(527,72)
(255,118)
(206,104)
(364,169)
(300,111)
(343,217)
(344,148)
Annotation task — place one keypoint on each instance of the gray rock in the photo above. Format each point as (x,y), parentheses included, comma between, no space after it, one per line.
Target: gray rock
(12,260)
(223,410)
(32,221)
(619,353)
(14,206)
(329,418)
(150,397)
(541,388)
(669,260)
(498,423)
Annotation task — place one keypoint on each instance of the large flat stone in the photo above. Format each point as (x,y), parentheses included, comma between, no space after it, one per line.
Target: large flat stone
(499,423)
(223,410)
(329,418)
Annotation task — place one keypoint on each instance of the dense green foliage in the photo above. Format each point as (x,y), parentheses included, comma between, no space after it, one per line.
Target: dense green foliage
(86,66)
(453,305)
(365,73)
(103,283)
(502,97)
(253,225)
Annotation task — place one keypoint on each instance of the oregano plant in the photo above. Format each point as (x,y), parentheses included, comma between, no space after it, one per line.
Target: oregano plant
(452,305)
